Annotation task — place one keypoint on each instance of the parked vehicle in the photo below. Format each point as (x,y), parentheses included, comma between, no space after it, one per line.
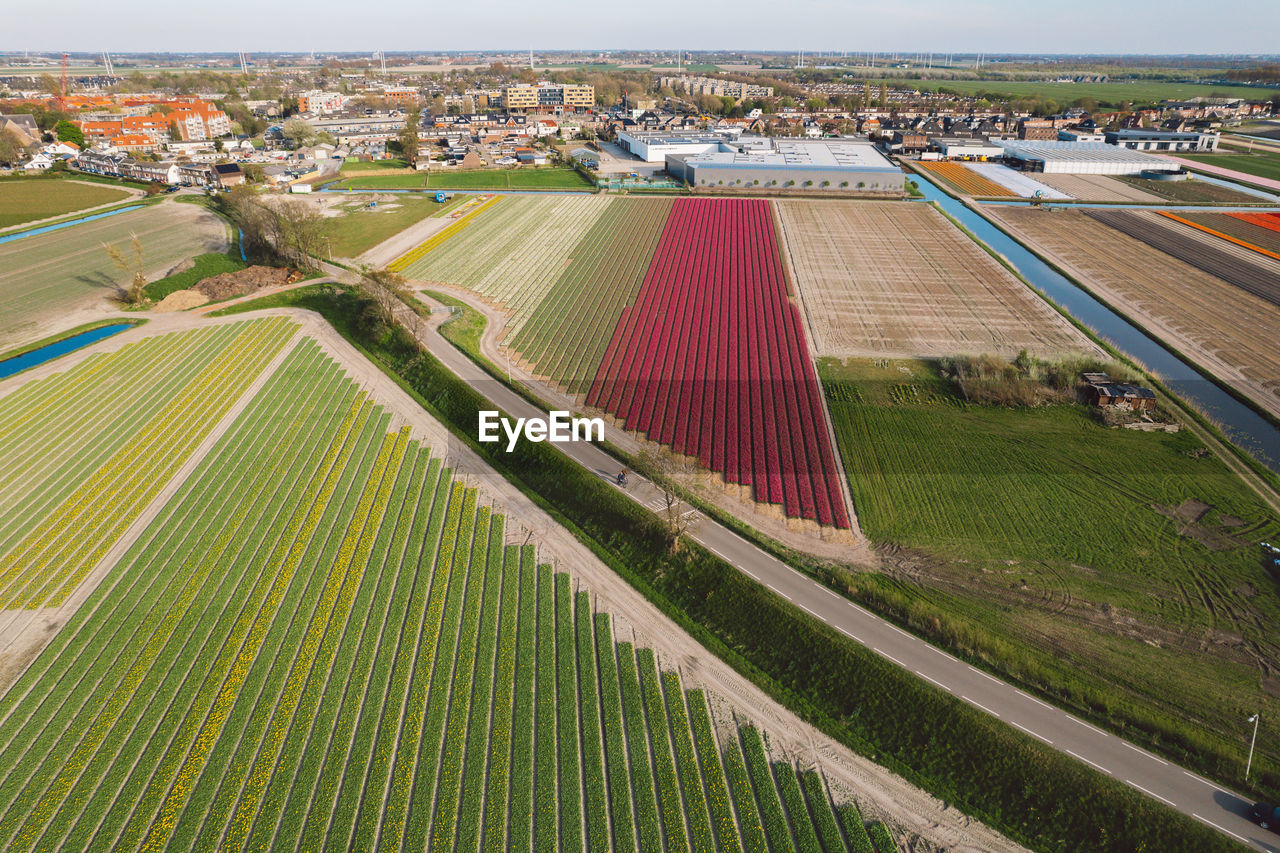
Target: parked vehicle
(1266,816)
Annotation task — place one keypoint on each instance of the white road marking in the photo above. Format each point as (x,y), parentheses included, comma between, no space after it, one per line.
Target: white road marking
(980,705)
(1147,754)
(833,593)
(934,680)
(1206,782)
(1033,734)
(1087,761)
(1089,726)
(779,592)
(1037,701)
(849,634)
(984,675)
(810,612)
(1165,800)
(890,657)
(1220,828)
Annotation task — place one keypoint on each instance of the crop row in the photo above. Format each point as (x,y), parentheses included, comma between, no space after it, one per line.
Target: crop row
(566,333)
(411,257)
(58,447)
(712,361)
(515,252)
(109,500)
(323,642)
(967,181)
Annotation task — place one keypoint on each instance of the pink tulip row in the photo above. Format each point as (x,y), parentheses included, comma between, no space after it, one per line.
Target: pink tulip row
(712,360)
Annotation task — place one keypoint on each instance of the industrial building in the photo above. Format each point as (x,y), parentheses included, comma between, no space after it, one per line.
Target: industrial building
(1081,158)
(546,95)
(839,165)
(963,148)
(1162,140)
(654,146)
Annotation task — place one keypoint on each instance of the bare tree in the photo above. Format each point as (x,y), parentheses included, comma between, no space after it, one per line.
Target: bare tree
(131,264)
(386,289)
(298,232)
(673,475)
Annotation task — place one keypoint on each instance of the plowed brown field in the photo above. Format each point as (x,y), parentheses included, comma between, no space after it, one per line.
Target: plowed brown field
(1096,188)
(888,278)
(1222,328)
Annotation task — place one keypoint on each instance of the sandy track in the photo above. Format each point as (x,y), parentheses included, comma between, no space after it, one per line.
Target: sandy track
(1097,188)
(887,278)
(922,821)
(1199,314)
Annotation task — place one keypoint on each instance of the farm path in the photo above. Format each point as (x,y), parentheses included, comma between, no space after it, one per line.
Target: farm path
(132,195)
(919,814)
(1189,793)
(397,244)
(25,632)
(767,519)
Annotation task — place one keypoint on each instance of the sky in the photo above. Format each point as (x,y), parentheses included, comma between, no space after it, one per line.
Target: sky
(1070,26)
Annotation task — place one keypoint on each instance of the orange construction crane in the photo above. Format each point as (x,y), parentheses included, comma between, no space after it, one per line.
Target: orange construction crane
(62,85)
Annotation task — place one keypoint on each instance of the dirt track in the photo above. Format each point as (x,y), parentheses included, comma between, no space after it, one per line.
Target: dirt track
(887,278)
(924,823)
(1222,328)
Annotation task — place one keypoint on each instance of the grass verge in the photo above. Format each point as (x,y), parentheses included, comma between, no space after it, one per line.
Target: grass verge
(1034,794)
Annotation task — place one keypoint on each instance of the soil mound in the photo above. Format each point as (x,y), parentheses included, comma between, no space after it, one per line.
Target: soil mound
(243,282)
(180,300)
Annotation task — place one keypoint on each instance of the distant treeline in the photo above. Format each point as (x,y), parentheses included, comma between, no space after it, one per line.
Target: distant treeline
(1261,74)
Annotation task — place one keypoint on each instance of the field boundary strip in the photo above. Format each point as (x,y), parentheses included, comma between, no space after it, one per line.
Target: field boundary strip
(416,253)
(1206,229)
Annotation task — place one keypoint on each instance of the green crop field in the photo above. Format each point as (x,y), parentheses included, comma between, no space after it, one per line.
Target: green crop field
(1114,568)
(513,250)
(116,442)
(28,201)
(1258,164)
(325,640)
(44,277)
(415,181)
(1114,93)
(1191,190)
(358,228)
(350,164)
(565,333)
(524,177)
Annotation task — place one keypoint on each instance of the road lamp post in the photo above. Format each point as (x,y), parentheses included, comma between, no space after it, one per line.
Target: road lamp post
(1249,765)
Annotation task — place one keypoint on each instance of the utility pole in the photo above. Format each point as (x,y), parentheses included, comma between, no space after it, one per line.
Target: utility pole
(1249,765)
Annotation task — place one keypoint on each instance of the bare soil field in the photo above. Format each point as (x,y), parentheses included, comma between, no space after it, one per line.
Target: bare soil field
(887,278)
(46,277)
(1234,226)
(1198,313)
(1097,188)
(1246,269)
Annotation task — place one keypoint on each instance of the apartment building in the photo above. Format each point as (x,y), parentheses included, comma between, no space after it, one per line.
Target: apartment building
(548,95)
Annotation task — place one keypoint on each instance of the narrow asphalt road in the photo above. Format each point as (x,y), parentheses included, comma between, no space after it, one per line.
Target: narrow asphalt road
(1187,792)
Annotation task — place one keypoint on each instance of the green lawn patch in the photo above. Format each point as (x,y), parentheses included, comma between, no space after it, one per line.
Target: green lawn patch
(383,182)
(1031,792)
(1109,93)
(1263,165)
(360,227)
(501,179)
(206,265)
(29,201)
(1067,555)
(350,164)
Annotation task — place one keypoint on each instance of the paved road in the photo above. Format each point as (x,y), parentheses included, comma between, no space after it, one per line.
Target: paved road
(1172,785)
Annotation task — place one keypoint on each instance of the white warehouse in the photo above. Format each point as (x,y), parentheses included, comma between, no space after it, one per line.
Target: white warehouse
(654,146)
(1082,158)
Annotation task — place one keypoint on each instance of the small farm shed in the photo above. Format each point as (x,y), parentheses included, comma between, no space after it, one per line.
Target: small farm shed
(1101,391)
